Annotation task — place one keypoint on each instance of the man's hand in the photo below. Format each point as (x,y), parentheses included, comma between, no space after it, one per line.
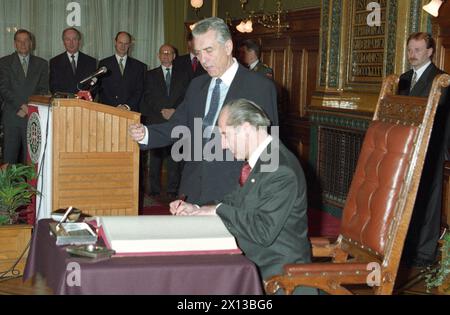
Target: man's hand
(23,111)
(136,132)
(167,113)
(124,106)
(179,207)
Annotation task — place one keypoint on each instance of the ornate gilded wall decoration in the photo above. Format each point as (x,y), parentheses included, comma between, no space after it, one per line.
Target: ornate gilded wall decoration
(366,44)
(324,44)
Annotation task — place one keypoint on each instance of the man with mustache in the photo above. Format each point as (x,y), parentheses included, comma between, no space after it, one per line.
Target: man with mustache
(424,230)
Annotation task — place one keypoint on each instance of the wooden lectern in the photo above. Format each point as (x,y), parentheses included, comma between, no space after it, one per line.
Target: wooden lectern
(85,157)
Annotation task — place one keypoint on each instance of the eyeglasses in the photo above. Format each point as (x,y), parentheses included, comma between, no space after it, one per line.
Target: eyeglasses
(166,52)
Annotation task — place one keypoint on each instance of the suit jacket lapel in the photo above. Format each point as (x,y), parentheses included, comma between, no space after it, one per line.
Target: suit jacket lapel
(235,86)
(203,97)
(115,67)
(68,64)
(32,71)
(79,63)
(256,174)
(17,68)
(174,82)
(162,79)
(424,80)
(127,69)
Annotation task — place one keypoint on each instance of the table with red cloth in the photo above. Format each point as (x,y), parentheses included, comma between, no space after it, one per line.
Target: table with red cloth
(181,274)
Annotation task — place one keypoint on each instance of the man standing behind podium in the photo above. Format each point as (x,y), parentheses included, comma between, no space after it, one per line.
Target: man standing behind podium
(250,53)
(123,84)
(165,87)
(21,75)
(72,66)
(189,63)
(226,81)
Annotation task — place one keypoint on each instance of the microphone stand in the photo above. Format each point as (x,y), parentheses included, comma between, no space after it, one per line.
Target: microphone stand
(86,94)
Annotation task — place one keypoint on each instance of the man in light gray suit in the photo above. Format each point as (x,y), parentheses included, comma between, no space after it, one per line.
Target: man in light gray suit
(21,75)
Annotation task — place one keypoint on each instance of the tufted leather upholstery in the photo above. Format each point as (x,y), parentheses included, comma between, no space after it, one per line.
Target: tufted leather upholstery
(376,185)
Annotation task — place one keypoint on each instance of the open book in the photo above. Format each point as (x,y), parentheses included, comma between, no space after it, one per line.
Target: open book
(164,235)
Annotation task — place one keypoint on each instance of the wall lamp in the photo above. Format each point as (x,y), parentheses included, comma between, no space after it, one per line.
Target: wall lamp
(433,7)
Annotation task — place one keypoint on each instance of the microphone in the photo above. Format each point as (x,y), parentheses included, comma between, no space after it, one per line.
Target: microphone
(101,70)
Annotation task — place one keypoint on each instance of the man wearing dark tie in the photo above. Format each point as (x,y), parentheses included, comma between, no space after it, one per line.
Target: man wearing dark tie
(123,84)
(165,87)
(72,66)
(189,63)
(424,230)
(205,178)
(21,75)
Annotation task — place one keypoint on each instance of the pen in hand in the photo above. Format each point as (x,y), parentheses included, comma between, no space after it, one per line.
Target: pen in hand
(182,198)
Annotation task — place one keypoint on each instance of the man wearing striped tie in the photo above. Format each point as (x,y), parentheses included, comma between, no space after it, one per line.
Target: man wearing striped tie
(21,75)
(424,230)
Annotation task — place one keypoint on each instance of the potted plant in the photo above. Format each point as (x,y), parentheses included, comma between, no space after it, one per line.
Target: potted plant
(15,191)
(15,194)
(440,276)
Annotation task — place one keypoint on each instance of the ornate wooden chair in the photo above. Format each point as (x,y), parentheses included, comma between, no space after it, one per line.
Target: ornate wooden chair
(380,201)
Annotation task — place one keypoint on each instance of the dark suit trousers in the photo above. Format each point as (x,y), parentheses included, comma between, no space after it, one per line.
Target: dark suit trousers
(14,144)
(423,233)
(157,156)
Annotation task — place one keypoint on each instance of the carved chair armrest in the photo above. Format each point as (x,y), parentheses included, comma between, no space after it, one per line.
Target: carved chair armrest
(325,276)
(322,247)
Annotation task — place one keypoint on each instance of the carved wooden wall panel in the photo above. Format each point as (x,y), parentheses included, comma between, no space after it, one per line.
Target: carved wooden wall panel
(294,59)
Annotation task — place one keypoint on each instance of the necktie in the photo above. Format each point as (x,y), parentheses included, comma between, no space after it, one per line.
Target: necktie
(121,66)
(245,172)
(413,80)
(24,66)
(194,64)
(168,77)
(74,66)
(213,106)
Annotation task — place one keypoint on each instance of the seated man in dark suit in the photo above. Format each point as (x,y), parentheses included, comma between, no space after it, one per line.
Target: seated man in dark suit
(267,212)
(189,63)
(123,84)
(197,114)
(72,66)
(165,87)
(250,53)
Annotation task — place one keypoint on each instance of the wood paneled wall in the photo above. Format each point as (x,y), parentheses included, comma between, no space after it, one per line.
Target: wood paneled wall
(293,56)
